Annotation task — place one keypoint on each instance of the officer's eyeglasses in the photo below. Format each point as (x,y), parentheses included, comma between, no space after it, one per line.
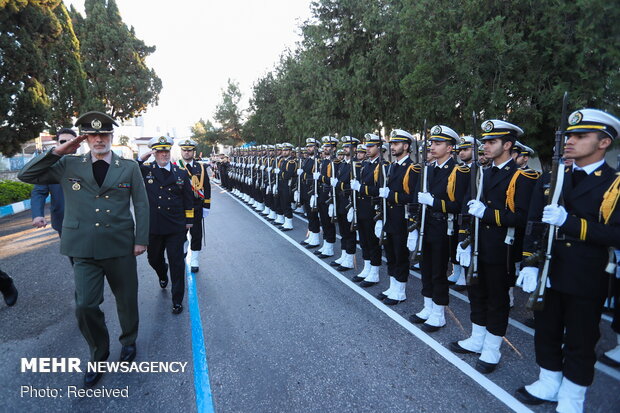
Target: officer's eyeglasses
(61,142)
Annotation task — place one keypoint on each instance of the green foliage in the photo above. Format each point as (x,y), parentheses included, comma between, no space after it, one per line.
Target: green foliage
(123,140)
(13,191)
(368,65)
(118,80)
(228,114)
(208,136)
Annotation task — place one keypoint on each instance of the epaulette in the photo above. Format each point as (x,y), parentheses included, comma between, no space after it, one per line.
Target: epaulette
(530,173)
(146,163)
(463,168)
(291,161)
(336,161)
(416,167)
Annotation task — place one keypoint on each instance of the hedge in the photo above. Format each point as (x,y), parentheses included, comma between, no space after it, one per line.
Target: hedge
(12,191)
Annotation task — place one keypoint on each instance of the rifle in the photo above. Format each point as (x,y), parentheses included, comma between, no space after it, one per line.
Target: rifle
(354,192)
(299,165)
(474,225)
(385,184)
(536,301)
(423,180)
(334,218)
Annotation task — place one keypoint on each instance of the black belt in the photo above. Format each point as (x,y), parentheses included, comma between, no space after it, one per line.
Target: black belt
(438,216)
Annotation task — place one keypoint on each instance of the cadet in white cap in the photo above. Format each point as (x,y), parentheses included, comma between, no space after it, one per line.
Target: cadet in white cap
(466,149)
(287,170)
(324,176)
(309,193)
(447,183)
(588,223)
(201,188)
(502,210)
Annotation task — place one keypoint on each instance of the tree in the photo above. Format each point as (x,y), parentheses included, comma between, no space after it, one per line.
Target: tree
(118,80)
(123,140)
(207,136)
(228,114)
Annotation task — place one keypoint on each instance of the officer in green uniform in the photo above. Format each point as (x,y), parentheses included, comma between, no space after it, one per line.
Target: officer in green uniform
(98,229)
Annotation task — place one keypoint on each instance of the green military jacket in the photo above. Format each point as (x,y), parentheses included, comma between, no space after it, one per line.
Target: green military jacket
(98,222)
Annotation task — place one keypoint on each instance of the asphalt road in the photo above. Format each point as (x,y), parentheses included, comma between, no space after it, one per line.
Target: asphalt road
(283,332)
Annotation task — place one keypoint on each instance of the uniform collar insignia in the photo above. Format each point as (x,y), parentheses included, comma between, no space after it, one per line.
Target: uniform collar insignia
(598,173)
(116,162)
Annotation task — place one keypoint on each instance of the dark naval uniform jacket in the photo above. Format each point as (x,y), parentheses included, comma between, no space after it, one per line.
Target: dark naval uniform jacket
(369,188)
(97,222)
(171,200)
(580,251)
(343,188)
(199,171)
(402,183)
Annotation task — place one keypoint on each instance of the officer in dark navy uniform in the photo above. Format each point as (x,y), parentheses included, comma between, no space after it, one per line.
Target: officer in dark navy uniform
(325,205)
(308,196)
(172,213)
(588,231)
(201,189)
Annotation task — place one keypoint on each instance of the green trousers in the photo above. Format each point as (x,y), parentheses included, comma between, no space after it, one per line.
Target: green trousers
(122,276)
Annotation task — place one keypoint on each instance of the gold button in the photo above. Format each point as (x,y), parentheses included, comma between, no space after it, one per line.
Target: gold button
(158,207)
(487,227)
(107,210)
(161,187)
(97,210)
(107,196)
(96,196)
(107,225)
(489,202)
(160,197)
(97,224)
(168,198)
(568,244)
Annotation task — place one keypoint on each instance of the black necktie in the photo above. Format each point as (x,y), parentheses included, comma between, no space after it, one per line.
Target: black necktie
(100,169)
(578,176)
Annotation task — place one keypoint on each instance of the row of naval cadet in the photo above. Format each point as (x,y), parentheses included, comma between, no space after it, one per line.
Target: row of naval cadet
(103,237)
(438,209)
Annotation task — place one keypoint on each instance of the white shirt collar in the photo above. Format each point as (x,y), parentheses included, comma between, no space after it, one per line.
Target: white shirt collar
(503,164)
(441,166)
(107,158)
(167,166)
(404,158)
(589,168)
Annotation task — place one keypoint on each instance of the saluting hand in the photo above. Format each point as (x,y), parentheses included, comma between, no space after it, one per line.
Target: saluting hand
(69,147)
(138,249)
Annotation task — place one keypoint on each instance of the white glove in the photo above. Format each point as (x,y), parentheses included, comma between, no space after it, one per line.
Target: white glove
(251,165)
(296,196)
(476,208)
(316,175)
(300,172)
(355,185)
(412,240)
(379,228)
(269,169)
(262,167)
(277,170)
(313,201)
(350,215)
(268,189)
(384,192)
(618,266)
(425,198)
(205,212)
(333,182)
(330,211)
(528,278)
(463,255)
(554,215)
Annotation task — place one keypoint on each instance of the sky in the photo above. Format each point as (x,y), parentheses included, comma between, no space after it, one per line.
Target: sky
(202,43)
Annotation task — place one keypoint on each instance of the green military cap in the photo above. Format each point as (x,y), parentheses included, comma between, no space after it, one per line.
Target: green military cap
(95,122)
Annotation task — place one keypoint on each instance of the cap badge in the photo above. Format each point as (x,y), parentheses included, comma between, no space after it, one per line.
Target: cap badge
(162,139)
(95,124)
(488,126)
(436,130)
(575,118)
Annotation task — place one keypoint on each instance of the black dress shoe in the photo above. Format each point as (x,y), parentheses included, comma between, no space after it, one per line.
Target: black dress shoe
(10,293)
(459,287)
(366,284)
(304,243)
(334,264)
(163,281)
(310,246)
(456,348)
(128,353)
(194,269)
(381,296)
(317,252)
(525,397)
(429,328)
(609,361)
(285,229)
(91,378)
(416,320)
(357,279)
(529,322)
(177,309)
(389,301)
(343,269)
(484,367)
(321,255)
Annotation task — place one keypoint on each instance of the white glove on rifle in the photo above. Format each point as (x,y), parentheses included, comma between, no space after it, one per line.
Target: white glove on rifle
(333,182)
(296,196)
(554,215)
(277,170)
(269,168)
(300,172)
(330,211)
(476,208)
(528,278)
(316,176)
(313,201)
(379,228)
(355,185)
(275,189)
(262,167)
(350,214)
(205,212)
(463,255)
(412,240)
(384,192)
(425,198)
